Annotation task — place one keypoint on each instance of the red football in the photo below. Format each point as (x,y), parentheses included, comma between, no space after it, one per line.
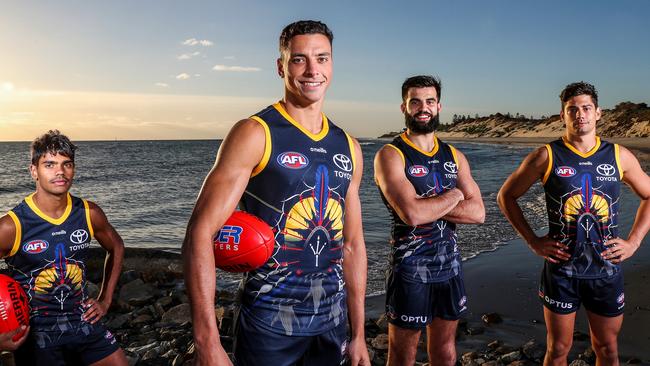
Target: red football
(14,308)
(244,243)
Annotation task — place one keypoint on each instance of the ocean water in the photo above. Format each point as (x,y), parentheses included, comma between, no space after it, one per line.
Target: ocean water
(148,188)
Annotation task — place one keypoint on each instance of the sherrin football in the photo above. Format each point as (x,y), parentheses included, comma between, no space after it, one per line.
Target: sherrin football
(14,308)
(244,243)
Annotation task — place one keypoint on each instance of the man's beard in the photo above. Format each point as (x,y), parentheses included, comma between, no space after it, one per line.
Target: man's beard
(417,127)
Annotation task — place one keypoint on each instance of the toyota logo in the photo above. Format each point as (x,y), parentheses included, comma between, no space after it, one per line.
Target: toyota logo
(79,236)
(606,170)
(451,167)
(342,162)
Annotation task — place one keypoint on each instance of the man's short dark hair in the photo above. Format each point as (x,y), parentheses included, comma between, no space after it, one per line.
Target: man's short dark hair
(302,27)
(53,142)
(421,81)
(579,88)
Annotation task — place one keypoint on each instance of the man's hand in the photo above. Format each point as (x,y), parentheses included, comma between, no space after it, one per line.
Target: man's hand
(211,356)
(358,353)
(619,250)
(6,339)
(456,193)
(94,310)
(549,249)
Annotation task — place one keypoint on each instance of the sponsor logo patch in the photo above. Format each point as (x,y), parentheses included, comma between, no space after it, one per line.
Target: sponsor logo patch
(606,170)
(60,232)
(418,171)
(293,160)
(342,162)
(229,234)
(451,167)
(565,171)
(79,236)
(35,246)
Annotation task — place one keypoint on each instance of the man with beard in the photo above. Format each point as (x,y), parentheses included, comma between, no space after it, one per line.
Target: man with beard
(428,188)
(582,251)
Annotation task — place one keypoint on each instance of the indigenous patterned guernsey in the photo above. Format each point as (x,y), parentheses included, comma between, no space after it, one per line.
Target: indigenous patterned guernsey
(582,195)
(299,189)
(425,253)
(48,260)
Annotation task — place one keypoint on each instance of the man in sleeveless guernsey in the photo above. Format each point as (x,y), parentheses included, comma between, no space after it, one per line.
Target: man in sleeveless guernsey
(428,188)
(582,251)
(294,168)
(45,242)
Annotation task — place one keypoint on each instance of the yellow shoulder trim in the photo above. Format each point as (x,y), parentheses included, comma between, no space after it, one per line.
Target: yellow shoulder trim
(88,221)
(352,150)
(316,137)
(30,202)
(550,164)
(267,147)
(401,154)
(411,144)
(454,154)
(19,234)
(581,154)
(617,154)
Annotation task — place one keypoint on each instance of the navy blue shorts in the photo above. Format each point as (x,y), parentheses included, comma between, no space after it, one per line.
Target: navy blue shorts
(414,305)
(601,296)
(74,350)
(256,346)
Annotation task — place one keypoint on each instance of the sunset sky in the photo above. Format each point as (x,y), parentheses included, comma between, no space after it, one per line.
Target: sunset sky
(189,70)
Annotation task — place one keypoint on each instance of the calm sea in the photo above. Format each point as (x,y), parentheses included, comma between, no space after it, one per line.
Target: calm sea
(148,189)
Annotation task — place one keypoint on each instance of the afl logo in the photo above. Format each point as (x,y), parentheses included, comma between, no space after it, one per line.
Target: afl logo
(565,171)
(79,236)
(418,171)
(606,170)
(621,298)
(35,247)
(342,162)
(451,167)
(293,160)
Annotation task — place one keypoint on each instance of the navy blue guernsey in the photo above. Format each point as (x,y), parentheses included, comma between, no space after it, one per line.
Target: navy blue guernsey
(582,195)
(299,189)
(48,260)
(425,253)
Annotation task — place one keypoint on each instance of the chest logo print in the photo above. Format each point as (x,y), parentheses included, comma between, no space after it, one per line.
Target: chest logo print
(606,170)
(418,171)
(451,167)
(79,236)
(342,162)
(35,246)
(565,171)
(293,160)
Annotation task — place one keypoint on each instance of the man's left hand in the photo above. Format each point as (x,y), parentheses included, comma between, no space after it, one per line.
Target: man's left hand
(619,249)
(358,353)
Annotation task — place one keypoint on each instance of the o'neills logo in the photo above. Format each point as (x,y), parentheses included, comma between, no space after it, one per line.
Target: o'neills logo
(35,246)
(293,160)
(418,171)
(565,171)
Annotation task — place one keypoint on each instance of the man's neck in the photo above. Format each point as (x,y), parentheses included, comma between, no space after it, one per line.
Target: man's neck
(50,204)
(425,141)
(582,143)
(308,116)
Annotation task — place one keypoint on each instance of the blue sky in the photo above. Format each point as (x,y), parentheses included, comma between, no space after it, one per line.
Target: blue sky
(171,69)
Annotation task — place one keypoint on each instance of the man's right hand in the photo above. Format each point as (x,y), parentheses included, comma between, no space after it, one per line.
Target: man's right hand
(211,356)
(6,341)
(456,193)
(549,249)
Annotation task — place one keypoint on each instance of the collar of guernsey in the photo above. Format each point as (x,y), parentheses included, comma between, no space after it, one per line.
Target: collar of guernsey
(299,189)
(48,260)
(582,196)
(428,252)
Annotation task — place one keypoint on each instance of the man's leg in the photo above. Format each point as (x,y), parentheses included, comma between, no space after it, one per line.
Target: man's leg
(559,337)
(402,345)
(604,333)
(441,345)
(116,358)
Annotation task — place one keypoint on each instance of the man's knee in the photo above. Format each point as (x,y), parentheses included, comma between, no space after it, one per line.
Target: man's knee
(557,348)
(606,350)
(443,354)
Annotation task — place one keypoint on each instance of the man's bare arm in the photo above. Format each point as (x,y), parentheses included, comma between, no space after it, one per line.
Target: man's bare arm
(400,193)
(470,210)
(238,155)
(634,176)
